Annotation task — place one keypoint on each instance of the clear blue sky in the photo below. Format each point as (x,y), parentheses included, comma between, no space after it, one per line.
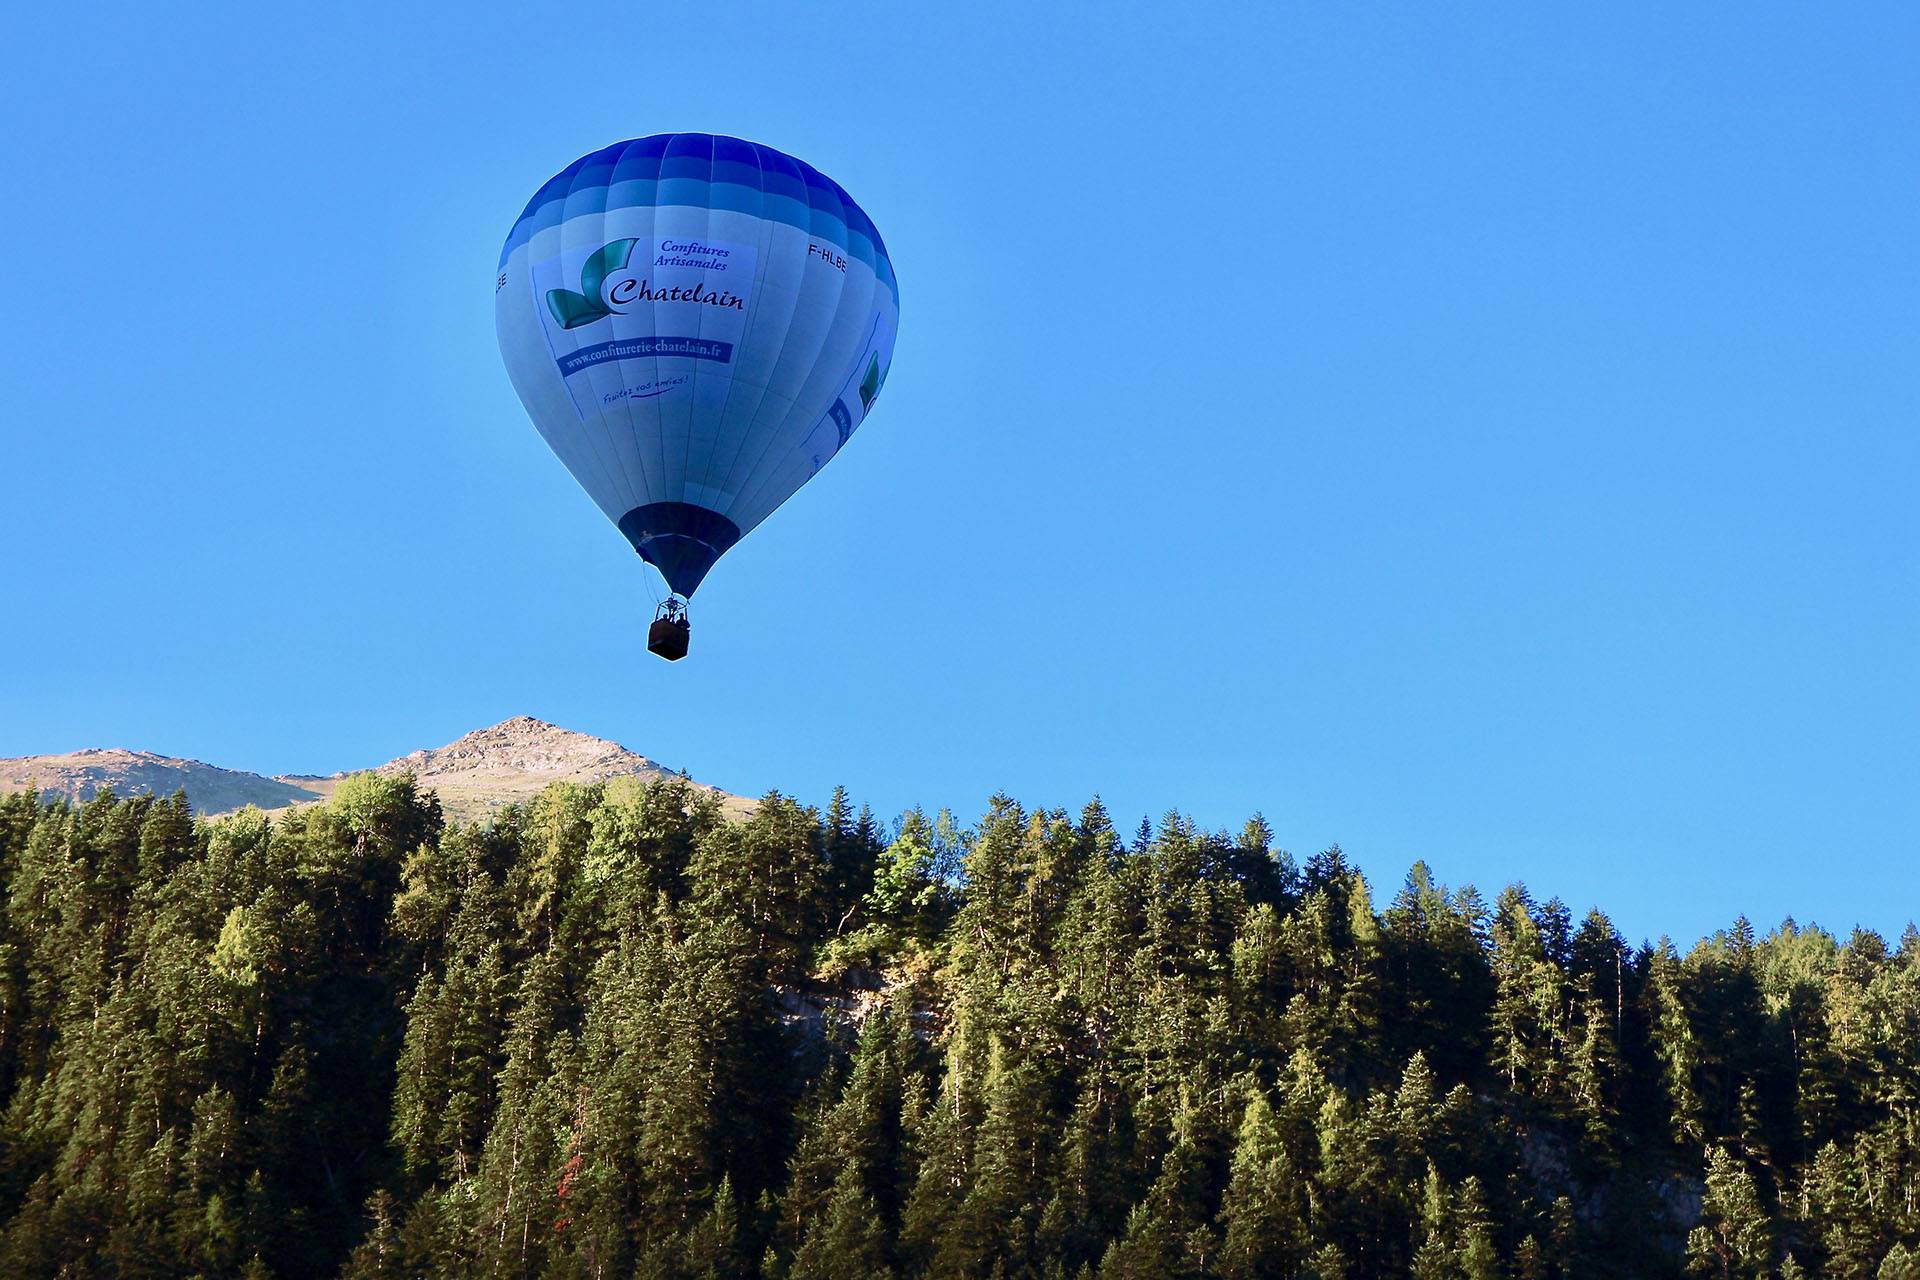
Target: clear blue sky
(1487,438)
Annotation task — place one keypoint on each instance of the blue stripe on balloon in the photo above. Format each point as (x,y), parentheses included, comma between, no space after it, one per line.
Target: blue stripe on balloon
(823,224)
(711,170)
(734,151)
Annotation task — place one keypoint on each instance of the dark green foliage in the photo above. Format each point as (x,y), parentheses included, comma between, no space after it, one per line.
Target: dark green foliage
(614,1033)
(202,1063)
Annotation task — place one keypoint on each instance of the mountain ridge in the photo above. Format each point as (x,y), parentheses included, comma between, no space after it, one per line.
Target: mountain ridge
(474,775)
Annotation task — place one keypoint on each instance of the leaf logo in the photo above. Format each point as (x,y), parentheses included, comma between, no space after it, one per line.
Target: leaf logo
(575,309)
(871,384)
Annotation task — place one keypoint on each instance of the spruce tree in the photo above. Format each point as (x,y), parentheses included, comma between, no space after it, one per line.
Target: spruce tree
(1735,1238)
(1264,1213)
(849,1242)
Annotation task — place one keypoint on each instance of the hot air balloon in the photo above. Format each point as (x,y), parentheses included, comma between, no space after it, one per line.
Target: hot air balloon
(696,325)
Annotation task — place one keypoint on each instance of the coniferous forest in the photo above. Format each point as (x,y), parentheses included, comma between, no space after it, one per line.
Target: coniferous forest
(613,1033)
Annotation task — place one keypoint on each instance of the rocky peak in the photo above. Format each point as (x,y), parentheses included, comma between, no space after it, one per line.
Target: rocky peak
(527,748)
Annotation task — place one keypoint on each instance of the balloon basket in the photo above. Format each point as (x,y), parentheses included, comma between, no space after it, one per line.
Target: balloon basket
(668,635)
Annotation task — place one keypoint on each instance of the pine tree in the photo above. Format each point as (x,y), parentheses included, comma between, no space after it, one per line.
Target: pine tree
(849,873)
(1591,1081)
(1900,1263)
(1526,1024)
(1674,1045)
(712,1248)
(1264,1214)
(944,1150)
(1327,1263)
(1842,1214)
(1095,1182)
(849,1242)
(1735,1238)
(996,1219)
(520,1162)
(1529,1260)
(1474,1227)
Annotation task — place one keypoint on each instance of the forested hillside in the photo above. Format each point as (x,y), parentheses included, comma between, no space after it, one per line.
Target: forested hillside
(615,1033)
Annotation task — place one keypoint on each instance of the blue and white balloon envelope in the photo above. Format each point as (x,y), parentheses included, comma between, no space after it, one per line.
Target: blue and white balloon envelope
(696,325)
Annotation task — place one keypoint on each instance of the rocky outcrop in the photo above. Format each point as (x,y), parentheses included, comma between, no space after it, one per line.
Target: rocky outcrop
(474,775)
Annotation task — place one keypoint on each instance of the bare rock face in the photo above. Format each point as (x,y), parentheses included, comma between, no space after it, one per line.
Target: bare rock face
(517,759)
(473,776)
(524,751)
